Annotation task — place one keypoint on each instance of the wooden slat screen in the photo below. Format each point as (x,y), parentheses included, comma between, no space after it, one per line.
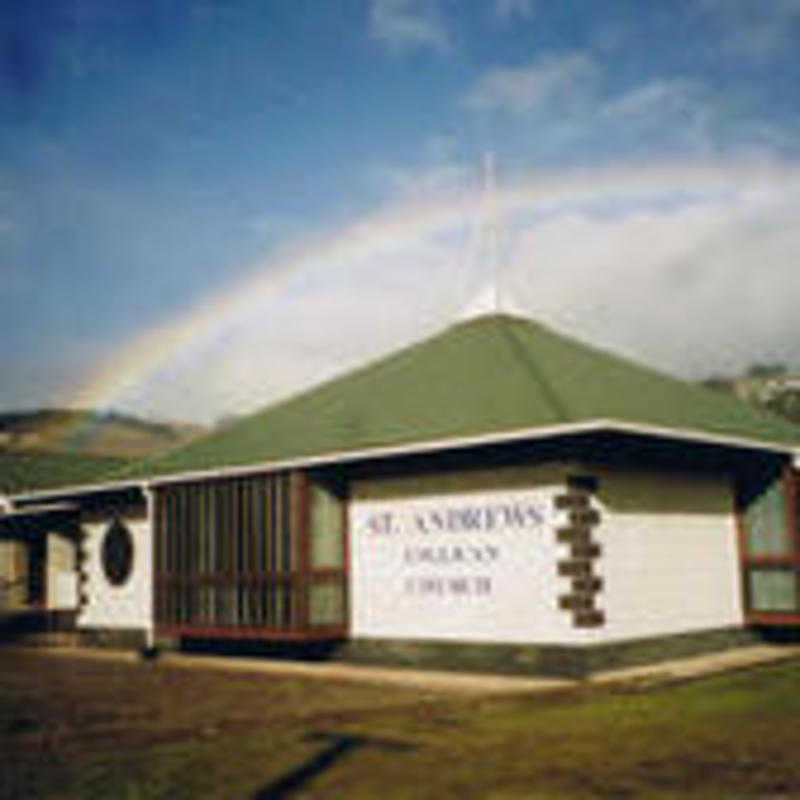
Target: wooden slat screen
(771,559)
(228,555)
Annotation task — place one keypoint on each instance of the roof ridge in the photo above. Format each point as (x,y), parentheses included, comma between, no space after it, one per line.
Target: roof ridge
(549,393)
(488,316)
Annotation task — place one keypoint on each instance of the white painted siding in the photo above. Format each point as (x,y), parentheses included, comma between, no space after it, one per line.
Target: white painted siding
(126,606)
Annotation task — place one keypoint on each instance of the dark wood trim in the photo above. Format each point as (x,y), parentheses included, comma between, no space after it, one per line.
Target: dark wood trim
(786,561)
(770,560)
(741,536)
(154,598)
(791,486)
(239,595)
(346,600)
(244,632)
(772,618)
(227,576)
(302,499)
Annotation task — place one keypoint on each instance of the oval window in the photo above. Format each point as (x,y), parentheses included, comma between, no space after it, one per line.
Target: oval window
(117,553)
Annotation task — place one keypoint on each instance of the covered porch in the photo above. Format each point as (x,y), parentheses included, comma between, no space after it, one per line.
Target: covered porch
(39,569)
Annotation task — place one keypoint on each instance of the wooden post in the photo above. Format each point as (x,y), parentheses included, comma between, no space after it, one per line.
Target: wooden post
(741,538)
(790,484)
(301,501)
(346,559)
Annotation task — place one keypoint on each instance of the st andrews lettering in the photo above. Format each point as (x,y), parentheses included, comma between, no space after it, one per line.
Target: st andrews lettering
(486,518)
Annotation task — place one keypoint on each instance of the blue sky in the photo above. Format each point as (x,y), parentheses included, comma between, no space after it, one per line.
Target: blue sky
(156,154)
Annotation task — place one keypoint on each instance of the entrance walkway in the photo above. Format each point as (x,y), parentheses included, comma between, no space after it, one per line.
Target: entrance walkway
(697,666)
(467,683)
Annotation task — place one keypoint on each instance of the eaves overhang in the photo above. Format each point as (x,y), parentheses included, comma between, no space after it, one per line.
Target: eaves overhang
(44,508)
(25,500)
(31,521)
(687,435)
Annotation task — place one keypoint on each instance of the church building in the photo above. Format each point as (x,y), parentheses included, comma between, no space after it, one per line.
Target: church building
(497,497)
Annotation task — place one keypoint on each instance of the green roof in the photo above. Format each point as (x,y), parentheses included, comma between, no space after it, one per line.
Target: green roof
(488,375)
(26,471)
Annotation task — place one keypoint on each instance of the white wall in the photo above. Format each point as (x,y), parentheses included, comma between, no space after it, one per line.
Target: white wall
(125,606)
(669,561)
(62,577)
(669,555)
(669,564)
(496,582)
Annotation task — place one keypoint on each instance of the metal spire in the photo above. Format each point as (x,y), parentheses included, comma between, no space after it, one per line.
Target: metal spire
(487,253)
(491,229)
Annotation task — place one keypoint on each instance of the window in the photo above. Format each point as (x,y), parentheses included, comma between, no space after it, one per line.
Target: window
(771,552)
(773,590)
(261,554)
(117,553)
(765,522)
(327,528)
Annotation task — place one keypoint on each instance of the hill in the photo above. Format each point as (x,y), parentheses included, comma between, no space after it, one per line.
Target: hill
(46,448)
(773,388)
(33,470)
(90,433)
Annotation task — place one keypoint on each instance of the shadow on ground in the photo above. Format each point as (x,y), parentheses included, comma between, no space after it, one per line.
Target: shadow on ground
(338,746)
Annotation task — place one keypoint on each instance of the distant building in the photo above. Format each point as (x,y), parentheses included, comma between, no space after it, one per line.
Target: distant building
(498,496)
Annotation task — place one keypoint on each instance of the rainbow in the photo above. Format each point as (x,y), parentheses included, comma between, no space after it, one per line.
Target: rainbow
(160,348)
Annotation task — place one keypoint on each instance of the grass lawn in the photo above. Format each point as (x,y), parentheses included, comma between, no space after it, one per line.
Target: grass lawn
(84,728)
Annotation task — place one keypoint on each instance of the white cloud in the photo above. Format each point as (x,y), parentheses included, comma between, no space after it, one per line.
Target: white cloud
(564,81)
(506,12)
(698,286)
(691,268)
(404,24)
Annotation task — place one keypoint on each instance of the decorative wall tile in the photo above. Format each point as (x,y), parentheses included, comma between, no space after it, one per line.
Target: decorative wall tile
(581,518)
